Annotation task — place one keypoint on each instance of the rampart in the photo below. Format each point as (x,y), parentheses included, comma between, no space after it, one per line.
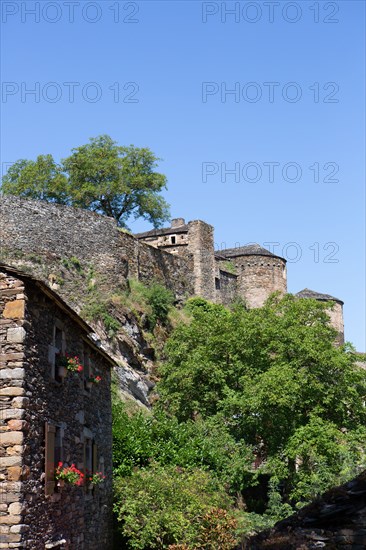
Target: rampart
(53,233)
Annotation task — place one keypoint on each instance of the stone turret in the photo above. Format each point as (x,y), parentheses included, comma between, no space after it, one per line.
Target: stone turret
(335,314)
(259,273)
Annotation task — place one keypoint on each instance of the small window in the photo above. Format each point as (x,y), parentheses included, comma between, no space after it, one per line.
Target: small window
(88,455)
(59,451)
(56,349)
(87,368)
(217,283)
(53,455)
(172,240)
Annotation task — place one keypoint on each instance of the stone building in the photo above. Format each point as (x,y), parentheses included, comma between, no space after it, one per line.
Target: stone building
(259,273)
(50,415)
(335,312)
(250,272)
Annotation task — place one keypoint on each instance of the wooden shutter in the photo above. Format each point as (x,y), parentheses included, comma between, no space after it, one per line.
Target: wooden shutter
(50,432)
(95,458)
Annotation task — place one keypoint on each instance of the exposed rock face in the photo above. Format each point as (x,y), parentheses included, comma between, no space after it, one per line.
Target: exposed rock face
(337,520)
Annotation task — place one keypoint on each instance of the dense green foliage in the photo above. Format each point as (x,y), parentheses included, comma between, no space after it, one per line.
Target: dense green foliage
(257,400)
(100,176)
(160,506)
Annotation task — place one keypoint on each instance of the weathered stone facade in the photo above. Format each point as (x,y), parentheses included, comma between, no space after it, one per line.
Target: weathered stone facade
(259,272)
(46,418)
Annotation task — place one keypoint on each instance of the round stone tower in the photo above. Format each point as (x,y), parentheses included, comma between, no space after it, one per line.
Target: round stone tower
(259,273)
(335,314)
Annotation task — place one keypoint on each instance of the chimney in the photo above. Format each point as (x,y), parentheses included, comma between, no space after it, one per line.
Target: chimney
(177,222)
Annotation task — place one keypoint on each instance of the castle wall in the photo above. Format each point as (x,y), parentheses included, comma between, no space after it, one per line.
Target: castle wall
(258,277)
(52,233)
(336,319)
(226,288)
(41,515)
(201,249)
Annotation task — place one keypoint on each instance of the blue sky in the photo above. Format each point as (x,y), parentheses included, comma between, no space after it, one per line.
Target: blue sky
(159,74)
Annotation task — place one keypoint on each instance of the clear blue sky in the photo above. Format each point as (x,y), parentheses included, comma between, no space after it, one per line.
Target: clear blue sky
(168,50)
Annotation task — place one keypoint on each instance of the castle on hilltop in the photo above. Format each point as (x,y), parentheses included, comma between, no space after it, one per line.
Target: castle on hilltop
(250,272)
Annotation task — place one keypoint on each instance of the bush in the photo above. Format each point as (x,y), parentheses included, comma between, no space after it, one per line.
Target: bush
(161,506)
(161,300)
(141,437)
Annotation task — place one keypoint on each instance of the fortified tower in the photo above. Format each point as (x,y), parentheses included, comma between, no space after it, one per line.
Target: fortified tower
(259,273)
(195,242)
(335,314)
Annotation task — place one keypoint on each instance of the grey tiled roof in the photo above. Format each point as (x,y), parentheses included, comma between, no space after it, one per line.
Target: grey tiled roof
(307,293)
(248,250)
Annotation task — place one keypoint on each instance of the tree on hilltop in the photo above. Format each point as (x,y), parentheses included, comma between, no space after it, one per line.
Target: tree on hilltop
(118,181)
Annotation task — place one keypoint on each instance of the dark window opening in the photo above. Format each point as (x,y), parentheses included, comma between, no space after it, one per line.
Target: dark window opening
(217,283)
(87,369)
(58,452)
(172,240)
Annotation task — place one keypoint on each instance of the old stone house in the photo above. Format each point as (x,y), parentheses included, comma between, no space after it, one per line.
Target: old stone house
(50,414)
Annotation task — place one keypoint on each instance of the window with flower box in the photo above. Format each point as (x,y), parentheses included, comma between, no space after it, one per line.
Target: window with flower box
(53,454)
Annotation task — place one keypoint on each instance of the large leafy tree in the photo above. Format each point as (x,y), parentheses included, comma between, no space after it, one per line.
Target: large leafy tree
(121,182)
(275,378)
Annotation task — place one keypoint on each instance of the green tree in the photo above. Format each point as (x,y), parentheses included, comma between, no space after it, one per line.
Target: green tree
(101,176)
(42,179)
(268,373)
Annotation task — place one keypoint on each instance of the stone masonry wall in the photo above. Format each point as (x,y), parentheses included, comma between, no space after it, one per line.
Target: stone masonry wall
(201,249)
(336,319)
(227,292)
(12,413)
(73,518)
(46,232)
(259,276)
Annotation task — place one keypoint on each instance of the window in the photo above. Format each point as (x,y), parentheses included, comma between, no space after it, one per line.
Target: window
(217,283)
(53,455)
(58,347)
(88,455)
(172,240)
(86,366)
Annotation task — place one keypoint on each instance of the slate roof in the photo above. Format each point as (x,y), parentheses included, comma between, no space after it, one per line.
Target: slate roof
(162,231)
(248,250)
(307,293)
(335,520)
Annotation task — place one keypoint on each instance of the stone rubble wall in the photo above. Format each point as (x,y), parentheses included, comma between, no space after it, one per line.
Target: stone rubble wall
(76,515)
(258,277)
(30,397)
(12,411)
(39,229)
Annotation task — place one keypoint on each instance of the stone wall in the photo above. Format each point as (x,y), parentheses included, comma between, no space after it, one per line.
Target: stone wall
(71,517)
(46,233)
(336,319)
(12,412)
(201,249)
(259,276)
(226,288)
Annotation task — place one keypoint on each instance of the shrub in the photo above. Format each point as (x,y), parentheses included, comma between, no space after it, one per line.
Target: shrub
(160,506)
